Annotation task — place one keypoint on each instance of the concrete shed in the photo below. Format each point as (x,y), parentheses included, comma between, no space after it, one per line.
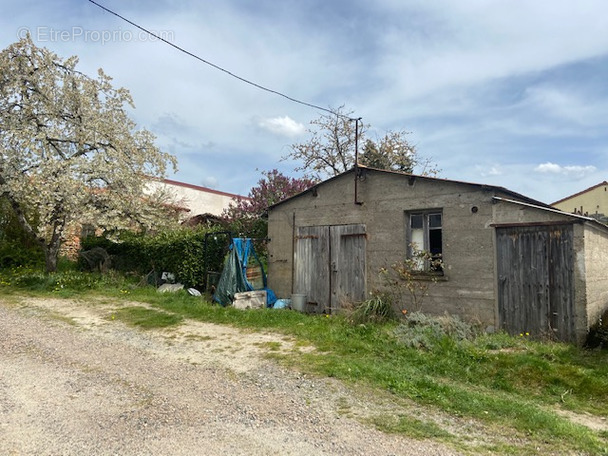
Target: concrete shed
(508,261)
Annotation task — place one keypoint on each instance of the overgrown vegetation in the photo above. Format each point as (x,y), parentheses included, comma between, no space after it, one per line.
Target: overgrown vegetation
(512,390)
(66,282)
(423,331)
(378,308)
(187,252)
(17,247)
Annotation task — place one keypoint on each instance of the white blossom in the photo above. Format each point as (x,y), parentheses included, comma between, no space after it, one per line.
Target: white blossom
(68,150)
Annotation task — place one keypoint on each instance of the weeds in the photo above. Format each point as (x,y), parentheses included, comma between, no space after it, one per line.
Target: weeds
(378,308)
(408,282)
(424,331)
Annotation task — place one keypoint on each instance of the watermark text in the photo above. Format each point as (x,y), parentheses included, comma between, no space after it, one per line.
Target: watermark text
(53,35)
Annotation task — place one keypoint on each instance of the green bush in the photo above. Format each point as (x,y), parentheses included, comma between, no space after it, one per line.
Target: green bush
(17,247)
(14,254)
(598,334)
(181,252)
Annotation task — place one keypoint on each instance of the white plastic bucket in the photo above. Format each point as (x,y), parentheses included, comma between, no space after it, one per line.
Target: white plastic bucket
(298,302)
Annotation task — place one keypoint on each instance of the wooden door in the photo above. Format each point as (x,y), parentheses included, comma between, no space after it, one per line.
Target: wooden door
(348,278)
(330,266)
(535,280)
(311,262)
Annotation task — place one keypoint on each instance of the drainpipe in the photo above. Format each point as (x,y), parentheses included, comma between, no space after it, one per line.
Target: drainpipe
(357,202)
(293,251)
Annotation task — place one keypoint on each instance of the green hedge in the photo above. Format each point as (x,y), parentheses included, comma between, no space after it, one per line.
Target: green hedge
(15,253)
(181,252)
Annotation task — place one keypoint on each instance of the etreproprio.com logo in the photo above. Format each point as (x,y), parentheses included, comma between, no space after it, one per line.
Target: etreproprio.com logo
(53,35)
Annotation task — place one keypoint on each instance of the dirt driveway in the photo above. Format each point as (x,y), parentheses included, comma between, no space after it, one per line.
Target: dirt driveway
(75,382)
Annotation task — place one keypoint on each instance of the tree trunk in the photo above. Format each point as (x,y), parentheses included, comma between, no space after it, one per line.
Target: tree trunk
(51,253)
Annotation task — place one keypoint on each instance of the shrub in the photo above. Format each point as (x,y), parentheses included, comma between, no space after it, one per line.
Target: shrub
(181,252)
(378,308)
(598,334)
(408,281)
(14,254)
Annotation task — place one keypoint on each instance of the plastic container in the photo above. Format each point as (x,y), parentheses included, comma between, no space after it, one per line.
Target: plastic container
(250,300)
(282,304)
(298,302)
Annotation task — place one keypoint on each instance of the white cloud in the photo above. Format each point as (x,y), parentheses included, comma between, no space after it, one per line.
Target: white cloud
(283,126)
(493,171)
(570,170)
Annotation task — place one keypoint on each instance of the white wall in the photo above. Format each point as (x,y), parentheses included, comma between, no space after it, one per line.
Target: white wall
(199,200)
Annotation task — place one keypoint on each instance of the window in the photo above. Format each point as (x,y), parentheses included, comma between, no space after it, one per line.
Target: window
(424,237)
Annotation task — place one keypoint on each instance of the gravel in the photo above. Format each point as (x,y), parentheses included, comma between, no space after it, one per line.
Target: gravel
(75,382)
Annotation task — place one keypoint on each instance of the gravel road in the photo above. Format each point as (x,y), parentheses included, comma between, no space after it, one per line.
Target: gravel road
(75,382)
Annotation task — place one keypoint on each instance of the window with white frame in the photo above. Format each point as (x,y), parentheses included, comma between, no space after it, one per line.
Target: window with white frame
(425,239)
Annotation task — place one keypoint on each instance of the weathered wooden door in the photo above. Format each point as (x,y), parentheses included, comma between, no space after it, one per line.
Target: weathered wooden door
(330,265)
(536,280)
(312,257)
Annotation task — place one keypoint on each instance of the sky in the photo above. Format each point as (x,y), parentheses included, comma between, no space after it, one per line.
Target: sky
(511,93)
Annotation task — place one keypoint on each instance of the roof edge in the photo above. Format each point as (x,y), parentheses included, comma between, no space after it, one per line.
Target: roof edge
(574,195)
(201,188)
(418,176)
(583,218)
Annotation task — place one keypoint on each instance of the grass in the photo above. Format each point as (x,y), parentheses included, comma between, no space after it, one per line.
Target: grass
(412,427)
(146,318)
(511,387)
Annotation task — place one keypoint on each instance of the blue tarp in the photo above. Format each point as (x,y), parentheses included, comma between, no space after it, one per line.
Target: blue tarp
(234,276)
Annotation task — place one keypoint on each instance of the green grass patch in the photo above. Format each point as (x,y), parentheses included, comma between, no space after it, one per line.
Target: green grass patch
(146,318)
(67,282)
(272,346)
(411,427)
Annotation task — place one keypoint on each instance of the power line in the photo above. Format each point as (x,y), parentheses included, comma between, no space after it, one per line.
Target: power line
(217,67)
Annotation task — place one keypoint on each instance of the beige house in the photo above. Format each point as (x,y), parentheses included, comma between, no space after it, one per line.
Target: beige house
(509,262)
(592,202)
(193,200)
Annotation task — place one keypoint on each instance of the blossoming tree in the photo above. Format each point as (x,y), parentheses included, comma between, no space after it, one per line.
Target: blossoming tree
(68,150)
(245,215)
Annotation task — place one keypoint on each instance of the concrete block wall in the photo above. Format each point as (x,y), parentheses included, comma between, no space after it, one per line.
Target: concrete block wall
(470,212)
(467,287)
(596,273)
